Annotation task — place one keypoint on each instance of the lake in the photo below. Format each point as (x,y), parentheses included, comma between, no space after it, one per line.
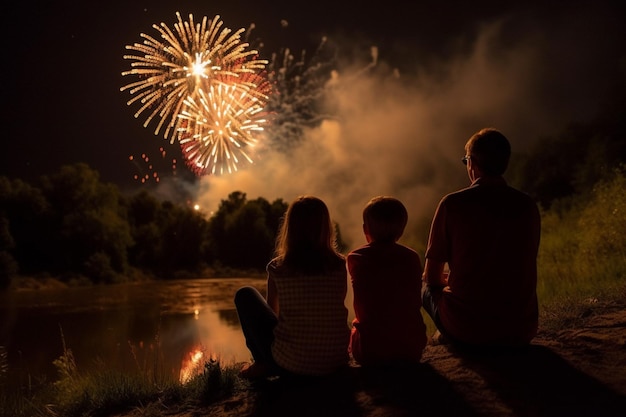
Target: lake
(140,326)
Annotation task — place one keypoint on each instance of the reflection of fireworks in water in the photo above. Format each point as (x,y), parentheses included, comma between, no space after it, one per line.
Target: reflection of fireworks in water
(190,367)
(150,173)
(196,58)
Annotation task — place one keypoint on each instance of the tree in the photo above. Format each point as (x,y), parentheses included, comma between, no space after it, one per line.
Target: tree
(249,240)
(8,264)
(89,218)
(244,232)
(220,222)
(26,218)
(571,163)
(183,239)
(143,211)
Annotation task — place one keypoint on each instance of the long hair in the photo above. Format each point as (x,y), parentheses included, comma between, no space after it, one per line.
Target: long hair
(306,240)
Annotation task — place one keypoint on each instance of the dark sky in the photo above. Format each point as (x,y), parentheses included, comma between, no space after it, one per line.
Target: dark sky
(528,67)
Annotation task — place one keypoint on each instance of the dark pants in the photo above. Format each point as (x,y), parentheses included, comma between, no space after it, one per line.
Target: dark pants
(257,323)
(431,297)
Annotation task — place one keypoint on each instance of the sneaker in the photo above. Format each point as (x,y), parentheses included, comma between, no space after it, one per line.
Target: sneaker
(255,370)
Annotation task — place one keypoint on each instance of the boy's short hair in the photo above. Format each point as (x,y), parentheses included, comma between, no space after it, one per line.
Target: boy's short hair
(385,218)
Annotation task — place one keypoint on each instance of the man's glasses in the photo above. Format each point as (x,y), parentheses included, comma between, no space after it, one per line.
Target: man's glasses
(465,159)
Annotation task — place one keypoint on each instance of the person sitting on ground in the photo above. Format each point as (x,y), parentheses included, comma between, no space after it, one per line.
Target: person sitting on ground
(302,328)
(488,237)
(388,326)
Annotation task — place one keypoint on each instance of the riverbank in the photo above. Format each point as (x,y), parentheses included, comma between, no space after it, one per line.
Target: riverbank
(573,370)
(575,367)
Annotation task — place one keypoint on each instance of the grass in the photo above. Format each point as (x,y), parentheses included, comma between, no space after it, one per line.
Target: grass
(582,256)
(107,392)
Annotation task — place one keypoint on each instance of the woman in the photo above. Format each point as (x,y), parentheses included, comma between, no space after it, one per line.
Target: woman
(302,327)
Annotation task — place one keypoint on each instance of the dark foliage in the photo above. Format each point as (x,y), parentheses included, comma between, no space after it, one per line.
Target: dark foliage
(71,225)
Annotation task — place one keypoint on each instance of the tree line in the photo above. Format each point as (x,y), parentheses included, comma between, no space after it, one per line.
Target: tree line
(71,225)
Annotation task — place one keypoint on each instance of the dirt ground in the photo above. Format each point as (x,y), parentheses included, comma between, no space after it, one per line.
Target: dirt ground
(571,372)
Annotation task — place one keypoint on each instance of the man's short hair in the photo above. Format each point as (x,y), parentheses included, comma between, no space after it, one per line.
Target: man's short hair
(385,218)
(490,150)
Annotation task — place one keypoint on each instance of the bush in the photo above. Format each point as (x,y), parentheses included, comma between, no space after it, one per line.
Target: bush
(583,246)
(8,269)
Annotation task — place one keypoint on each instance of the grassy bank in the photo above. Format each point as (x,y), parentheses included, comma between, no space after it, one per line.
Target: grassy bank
(582,256)
(106,392)
(152,391)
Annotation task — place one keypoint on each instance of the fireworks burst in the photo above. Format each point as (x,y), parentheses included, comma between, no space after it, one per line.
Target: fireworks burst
(221,125)
(300,84)
(205,88)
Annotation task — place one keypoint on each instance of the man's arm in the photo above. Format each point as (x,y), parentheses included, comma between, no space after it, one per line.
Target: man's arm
(437,248)
(433,273)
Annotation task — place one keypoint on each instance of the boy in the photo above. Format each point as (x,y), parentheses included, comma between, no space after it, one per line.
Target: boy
(386,279)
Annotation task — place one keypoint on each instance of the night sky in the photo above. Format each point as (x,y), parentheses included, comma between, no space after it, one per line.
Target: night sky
(529,68)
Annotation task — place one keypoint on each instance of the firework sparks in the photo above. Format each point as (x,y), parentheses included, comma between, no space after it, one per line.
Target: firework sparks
(299,92)
(149,171)
(221,125)
(205,88)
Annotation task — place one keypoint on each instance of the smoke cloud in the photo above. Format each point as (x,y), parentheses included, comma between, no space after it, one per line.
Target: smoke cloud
(403,134)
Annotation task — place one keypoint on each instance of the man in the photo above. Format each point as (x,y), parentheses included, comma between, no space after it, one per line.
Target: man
(488,235)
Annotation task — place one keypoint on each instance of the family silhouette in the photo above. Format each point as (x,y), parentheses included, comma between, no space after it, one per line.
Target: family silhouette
(477,283)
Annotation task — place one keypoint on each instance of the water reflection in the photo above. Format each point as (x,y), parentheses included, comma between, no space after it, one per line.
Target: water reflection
(229,317)
(155,327)
(152,327)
